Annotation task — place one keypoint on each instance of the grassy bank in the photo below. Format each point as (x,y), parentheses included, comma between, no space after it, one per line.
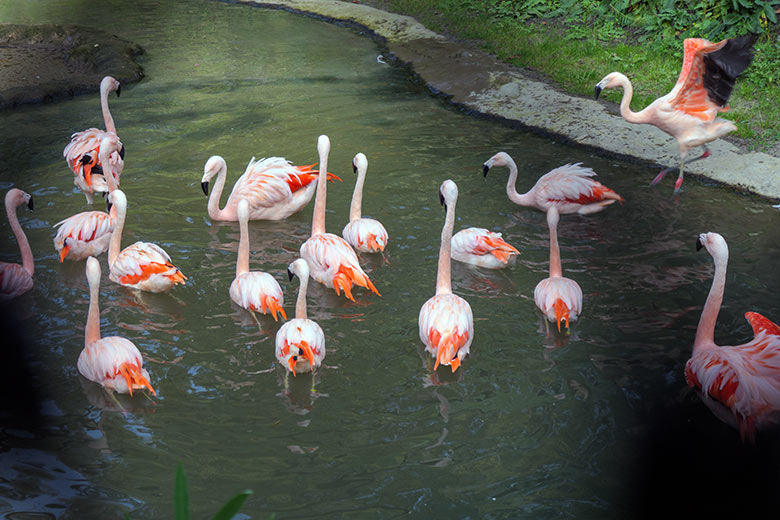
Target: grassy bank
(575,51)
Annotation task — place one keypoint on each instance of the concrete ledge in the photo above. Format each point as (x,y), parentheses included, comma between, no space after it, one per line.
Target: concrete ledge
(482,84)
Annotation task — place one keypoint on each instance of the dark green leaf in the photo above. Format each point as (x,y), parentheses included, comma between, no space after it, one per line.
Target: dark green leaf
(181,499)
(770,12)
(233,506)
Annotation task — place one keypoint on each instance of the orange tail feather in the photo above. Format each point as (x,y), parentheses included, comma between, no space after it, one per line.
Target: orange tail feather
(133,377)
(561,312)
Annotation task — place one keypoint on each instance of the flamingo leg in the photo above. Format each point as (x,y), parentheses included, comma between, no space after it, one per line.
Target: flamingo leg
(679,182)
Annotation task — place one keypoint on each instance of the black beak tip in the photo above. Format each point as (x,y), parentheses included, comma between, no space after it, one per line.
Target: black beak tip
(290,274)
(596,92)
(108,205)
(205,187)
(441,199)
(118,90)
(122,152)
(699,245)
(354,168)
(485,170)
(30,204)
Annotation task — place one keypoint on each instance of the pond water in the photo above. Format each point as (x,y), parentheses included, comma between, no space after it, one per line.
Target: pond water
(532,425)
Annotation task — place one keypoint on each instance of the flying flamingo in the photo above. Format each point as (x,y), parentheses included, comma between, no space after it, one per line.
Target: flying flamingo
(446,322)
(559,298)
(113,362)
(273,187)
(483,248)
(332,261)
(300,342)
(689,112)
(570,188)
(83,152)
(143,265)
(88,233)
(743,378)
(253,290)
(366,235)
(17,279)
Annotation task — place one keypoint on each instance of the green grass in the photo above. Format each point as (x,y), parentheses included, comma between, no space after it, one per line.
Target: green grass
(575,56)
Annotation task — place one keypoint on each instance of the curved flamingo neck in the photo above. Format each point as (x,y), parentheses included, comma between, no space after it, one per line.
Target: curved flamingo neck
(524,199)
(625,102)
(242,264)
(318,219)
(92,330)
(300,303)
(216,193)
(24,245)
(355,208)
(116,236)
(107,118)
(556,271)
(705,332)
(444,273)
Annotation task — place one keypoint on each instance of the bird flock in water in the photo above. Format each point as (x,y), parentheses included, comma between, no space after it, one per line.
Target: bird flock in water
(743,380)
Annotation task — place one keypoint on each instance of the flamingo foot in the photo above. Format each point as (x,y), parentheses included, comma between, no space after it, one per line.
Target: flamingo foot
(661,175)
(678,184)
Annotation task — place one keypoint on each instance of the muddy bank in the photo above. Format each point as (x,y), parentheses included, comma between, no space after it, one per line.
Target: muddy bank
(41,63)
(479,83)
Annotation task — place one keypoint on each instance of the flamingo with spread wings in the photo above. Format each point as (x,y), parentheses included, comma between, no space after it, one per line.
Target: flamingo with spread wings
(273,187)
(689,112)
(83,152)
(113,362)
(446,323)
(16,279)
(571,188)
(332,261)
(366,235)
(253,290)
(745,379)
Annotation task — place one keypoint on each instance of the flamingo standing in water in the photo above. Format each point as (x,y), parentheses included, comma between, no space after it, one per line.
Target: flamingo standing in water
(253,290)
(83,152)
(273,187)
(332,261)
(300,342)
(745,379)
(446,322)
(689,112)
(113,362)
(143,265)
(483,248)
(88,233)
(558,298)
(570,188)
(366,235)
(17,279)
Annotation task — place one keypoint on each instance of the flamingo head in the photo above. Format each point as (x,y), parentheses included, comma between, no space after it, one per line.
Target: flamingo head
(448,193)
(110,84)
(500,159)
(300,268)
(715,244)
(359,163)
(16,197)
(213,166)
(611,80)
(93,272)
(117,198)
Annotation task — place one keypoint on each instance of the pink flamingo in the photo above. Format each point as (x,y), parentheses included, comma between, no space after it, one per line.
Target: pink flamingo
(483,248)
(253,290)
(558,298)
(143,265)
(83,152)
(332,261)
(570,188)
(745,379)
(88,233)
(689,112)
(17,279)
(366,235)
(300,342)
(273,187)
(113,362)
(446,322)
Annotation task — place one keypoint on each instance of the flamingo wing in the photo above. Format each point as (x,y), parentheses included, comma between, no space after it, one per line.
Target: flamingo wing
(300,342)
(334,263)
(761,323)
(14,280)
(84,229)
(115,363)
(446,326)
(145,266)
(366,234)
(258,291)
(572,183)
(81,154)
(480,242)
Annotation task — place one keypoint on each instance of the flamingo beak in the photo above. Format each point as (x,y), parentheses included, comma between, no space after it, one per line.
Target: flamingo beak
(699,245)
(309,355)
(122,152)
(441,199)
(291,363)
(354,168)
(118,90)
(30,203)
(205,187)
(485,169)
(108,203)
(597,91)
(290,274)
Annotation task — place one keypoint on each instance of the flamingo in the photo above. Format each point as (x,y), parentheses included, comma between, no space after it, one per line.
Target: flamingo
(483,248)
(300,342)
(113,362)
(253,290)
(273,187)
(745,379)
(689,112)
(17,279)
(446,322)
(83,152)
(332,261)
(570,188)
(143,265)
(366,235)
(88,233)
(558,298)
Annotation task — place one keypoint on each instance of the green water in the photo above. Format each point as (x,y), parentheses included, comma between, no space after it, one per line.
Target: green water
(531,426)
